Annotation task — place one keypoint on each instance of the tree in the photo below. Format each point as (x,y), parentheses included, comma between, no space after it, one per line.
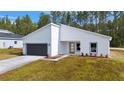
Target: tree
(105,22)
(43,20)
(80,17)
(27,24)
(56,16)
(5,23)
(24,25)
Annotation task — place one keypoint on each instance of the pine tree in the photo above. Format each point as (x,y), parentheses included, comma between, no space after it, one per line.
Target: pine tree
(43,20)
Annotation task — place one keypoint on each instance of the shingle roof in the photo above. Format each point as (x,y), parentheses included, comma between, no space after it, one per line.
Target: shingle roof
(10,35)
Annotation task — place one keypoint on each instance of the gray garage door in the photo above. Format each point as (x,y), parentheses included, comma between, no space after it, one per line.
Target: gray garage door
(37,49)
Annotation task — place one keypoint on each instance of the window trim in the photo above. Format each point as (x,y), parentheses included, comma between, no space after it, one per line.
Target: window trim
(96,47)
(79,46)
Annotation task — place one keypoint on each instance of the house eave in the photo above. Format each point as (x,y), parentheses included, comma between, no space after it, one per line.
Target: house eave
(6,38)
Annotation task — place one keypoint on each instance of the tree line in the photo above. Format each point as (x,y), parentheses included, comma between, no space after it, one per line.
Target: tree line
(24,25)
(104,22)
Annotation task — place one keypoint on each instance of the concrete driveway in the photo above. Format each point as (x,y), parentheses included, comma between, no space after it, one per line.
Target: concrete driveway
(13,63)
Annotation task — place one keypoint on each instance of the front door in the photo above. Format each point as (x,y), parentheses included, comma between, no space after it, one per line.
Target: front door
(72,47)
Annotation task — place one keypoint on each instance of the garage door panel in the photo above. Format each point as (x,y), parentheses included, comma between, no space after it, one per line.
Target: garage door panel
(37,49)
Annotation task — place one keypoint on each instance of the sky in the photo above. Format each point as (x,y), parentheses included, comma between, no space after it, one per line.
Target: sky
(34,15)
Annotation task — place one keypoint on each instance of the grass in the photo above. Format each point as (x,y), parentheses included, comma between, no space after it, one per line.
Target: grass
(6,56)
(9,53)
(117,55)
(70,68)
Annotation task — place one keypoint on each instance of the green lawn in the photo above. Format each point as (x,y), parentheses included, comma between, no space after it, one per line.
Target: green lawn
(9,53)
(70,68)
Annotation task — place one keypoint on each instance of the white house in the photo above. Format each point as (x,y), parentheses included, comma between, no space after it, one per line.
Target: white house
(10,40)
(55,39)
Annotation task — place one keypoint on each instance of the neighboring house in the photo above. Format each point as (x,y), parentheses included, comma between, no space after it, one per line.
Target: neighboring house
(55,39)
(10,40)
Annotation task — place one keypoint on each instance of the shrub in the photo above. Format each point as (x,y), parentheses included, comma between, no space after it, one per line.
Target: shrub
(101,55)
(82,54)
(86,54)
(106,56)
(90,54)
(95,55)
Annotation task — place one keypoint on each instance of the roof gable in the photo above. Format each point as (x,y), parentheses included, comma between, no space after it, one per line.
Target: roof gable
(86,31)
(40,29)
(69,27)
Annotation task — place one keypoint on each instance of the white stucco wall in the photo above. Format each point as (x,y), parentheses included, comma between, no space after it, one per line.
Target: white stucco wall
(10,42)
(42,35)
(64,47)
(58,38)
(72,34)
(54,40)
(48,34)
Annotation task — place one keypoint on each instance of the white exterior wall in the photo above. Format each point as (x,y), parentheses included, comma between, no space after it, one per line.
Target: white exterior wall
(54,40)
(48,34)
(24,49)
(42,35)
(8,43)
(71,34)
(58,38)
(64,47)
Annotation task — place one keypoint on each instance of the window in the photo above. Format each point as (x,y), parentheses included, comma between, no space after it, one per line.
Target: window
(93,47)
(78,46)
(72,47)
(15,42)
